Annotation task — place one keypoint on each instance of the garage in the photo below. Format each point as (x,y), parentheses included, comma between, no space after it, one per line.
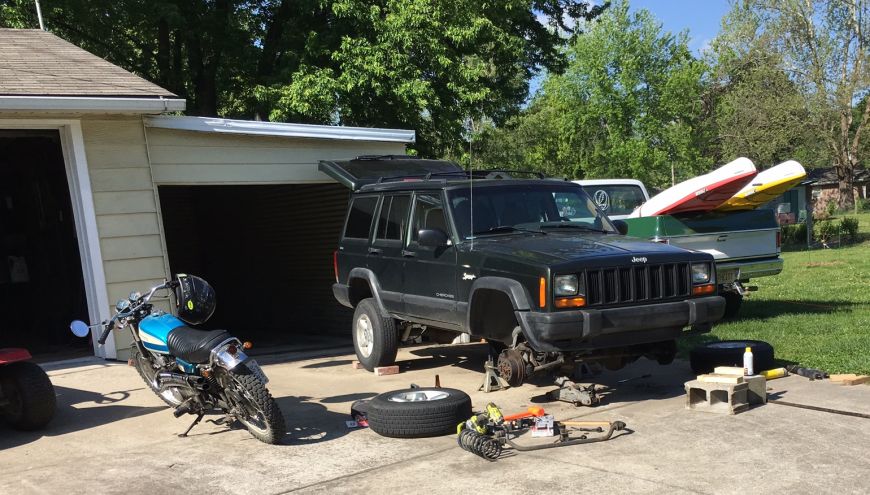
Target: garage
(41,283)
(267,250)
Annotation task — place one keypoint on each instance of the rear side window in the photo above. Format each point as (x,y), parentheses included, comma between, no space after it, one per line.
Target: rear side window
(359,221)
(394,218)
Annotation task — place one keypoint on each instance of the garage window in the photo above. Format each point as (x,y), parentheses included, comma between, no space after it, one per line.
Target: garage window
(359,221)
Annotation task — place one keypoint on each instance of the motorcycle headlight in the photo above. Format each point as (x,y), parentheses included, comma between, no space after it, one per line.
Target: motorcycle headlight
(700,273)
(568,285)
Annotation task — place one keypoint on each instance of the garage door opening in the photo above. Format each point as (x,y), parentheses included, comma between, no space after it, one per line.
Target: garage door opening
(268,252)
(41,282)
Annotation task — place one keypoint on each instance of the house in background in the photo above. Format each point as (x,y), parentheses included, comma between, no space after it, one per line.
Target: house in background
(102,194)
(824,187)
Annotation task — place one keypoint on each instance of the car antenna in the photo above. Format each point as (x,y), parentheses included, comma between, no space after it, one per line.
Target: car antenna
(471,180)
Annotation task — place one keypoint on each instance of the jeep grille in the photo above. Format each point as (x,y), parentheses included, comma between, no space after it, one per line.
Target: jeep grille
(635,284)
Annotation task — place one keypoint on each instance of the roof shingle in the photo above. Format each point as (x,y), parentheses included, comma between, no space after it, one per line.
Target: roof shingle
(37,63)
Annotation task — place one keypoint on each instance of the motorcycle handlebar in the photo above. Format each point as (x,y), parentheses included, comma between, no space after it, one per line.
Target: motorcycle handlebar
(105,335)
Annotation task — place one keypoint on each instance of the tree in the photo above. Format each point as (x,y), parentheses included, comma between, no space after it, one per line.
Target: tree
(825,51)
(758,111)
(629,104)
(424,64)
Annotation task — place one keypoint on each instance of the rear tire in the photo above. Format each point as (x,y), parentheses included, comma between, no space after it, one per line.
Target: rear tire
(30,395)
(707,356)
(375,338)
(268,424)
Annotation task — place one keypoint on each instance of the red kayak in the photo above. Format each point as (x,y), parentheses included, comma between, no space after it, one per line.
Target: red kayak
(702,193)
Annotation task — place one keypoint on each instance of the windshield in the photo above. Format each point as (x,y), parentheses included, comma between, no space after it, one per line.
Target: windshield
(525,208)
(616,199)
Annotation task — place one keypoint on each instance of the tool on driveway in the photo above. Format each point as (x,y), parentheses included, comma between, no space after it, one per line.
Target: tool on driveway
(774,373)
(579,395)
(487,433)
(492,380)
(811,373)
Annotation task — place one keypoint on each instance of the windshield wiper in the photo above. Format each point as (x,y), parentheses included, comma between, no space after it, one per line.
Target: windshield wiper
(503,229)
(574,226)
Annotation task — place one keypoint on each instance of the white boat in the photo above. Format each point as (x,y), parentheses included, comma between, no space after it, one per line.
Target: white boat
(702,193)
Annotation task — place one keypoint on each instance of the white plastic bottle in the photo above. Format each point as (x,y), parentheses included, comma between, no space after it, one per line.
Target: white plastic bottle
(748,365)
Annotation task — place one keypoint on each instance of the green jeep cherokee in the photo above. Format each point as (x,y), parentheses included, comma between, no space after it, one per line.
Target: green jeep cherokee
(531,265)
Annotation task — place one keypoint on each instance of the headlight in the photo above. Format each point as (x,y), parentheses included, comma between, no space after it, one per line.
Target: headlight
(701,273)
(568,285)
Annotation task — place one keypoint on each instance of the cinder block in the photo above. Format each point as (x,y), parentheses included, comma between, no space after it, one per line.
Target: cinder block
(387,370)
(357,365)
(722,398)
(756,392)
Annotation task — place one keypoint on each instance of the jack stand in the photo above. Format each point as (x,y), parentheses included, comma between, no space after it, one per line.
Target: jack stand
(195,422)
(492,380)
(578,395)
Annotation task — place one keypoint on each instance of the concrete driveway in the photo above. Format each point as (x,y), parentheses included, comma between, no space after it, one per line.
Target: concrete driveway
(112,435)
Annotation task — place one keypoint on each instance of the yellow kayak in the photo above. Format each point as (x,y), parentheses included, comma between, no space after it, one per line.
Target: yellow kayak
(766,186)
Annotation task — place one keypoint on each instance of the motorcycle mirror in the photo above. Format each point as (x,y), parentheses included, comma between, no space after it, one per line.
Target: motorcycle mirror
(79,328)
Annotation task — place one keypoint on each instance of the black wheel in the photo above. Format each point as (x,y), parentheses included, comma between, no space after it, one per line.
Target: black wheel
(733,301)
(172,396)
(512,368)
(707,356)
(418,412)
(29,394)
(254,407)
(375,338)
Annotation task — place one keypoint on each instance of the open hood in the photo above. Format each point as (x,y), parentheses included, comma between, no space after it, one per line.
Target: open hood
(364,170)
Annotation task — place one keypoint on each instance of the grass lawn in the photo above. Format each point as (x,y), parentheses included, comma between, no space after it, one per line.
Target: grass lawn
(815,313)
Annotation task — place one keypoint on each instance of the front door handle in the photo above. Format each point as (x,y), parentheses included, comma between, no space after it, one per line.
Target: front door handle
(374,251)
(408,254)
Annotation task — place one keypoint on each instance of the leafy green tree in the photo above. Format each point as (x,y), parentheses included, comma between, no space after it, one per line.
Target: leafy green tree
(429,65)
(629,104)
(759,111)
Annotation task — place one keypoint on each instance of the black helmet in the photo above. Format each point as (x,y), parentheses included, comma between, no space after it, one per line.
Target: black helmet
(196,299)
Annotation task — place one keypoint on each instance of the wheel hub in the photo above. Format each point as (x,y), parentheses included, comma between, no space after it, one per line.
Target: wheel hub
(364,335)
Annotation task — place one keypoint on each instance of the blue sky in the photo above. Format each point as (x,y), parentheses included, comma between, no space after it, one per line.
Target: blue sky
(702,18)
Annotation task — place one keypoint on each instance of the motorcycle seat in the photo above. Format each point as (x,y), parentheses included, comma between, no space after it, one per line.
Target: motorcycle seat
(192,345)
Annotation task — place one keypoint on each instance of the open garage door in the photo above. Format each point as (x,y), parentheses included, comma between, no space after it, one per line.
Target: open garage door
(41,280)
(268,252)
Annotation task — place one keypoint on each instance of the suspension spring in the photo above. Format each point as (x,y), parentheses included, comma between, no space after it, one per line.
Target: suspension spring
(482,445)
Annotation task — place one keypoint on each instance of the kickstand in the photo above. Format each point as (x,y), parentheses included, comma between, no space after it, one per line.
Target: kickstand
(195,422)
(491,376)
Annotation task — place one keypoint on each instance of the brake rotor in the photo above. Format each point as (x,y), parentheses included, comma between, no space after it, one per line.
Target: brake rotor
(511,367)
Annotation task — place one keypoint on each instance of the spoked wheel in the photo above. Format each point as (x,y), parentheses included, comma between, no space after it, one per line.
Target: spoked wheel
(172,396)
(511,367)
(253,405)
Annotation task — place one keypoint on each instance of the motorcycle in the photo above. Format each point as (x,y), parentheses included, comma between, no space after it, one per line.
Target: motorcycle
(194,371)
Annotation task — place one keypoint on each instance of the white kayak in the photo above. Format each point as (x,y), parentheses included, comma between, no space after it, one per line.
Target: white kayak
(702,193)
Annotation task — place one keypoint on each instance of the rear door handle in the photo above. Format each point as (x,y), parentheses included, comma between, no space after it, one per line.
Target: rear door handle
(374,251)
(408,254)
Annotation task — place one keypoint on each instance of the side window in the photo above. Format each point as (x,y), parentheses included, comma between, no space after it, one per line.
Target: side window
(359,220)
(428,214)
(394,218)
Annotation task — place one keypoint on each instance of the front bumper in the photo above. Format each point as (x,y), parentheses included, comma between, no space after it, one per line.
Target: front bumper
(589,329)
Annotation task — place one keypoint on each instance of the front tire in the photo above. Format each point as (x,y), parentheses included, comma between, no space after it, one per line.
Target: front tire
(254,406)
(733,302)
(29,394)
(375,338)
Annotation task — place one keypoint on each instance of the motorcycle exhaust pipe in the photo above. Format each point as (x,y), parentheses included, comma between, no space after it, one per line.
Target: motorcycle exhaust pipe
(166,379)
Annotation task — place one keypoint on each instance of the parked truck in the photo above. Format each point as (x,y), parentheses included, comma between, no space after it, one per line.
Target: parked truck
(745,244)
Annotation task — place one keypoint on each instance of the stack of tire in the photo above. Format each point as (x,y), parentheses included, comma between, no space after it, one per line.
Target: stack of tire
(418,412)
(705,357)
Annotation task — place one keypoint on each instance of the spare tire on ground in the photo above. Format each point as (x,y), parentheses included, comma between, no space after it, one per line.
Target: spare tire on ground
(707,356)
(418,412)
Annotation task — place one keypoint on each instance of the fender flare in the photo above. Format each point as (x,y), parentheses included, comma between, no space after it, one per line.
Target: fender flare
(374,285)
(517,294)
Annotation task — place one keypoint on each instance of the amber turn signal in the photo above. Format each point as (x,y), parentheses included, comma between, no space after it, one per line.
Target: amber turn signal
(703,289)
(542,293)
(570,302)
(247,345)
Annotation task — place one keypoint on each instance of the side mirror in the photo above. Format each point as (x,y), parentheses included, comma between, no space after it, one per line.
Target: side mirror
(79,328)
(621,226)
(432,237)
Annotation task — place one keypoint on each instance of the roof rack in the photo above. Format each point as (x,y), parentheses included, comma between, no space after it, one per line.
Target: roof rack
(384,157)
(469,174)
